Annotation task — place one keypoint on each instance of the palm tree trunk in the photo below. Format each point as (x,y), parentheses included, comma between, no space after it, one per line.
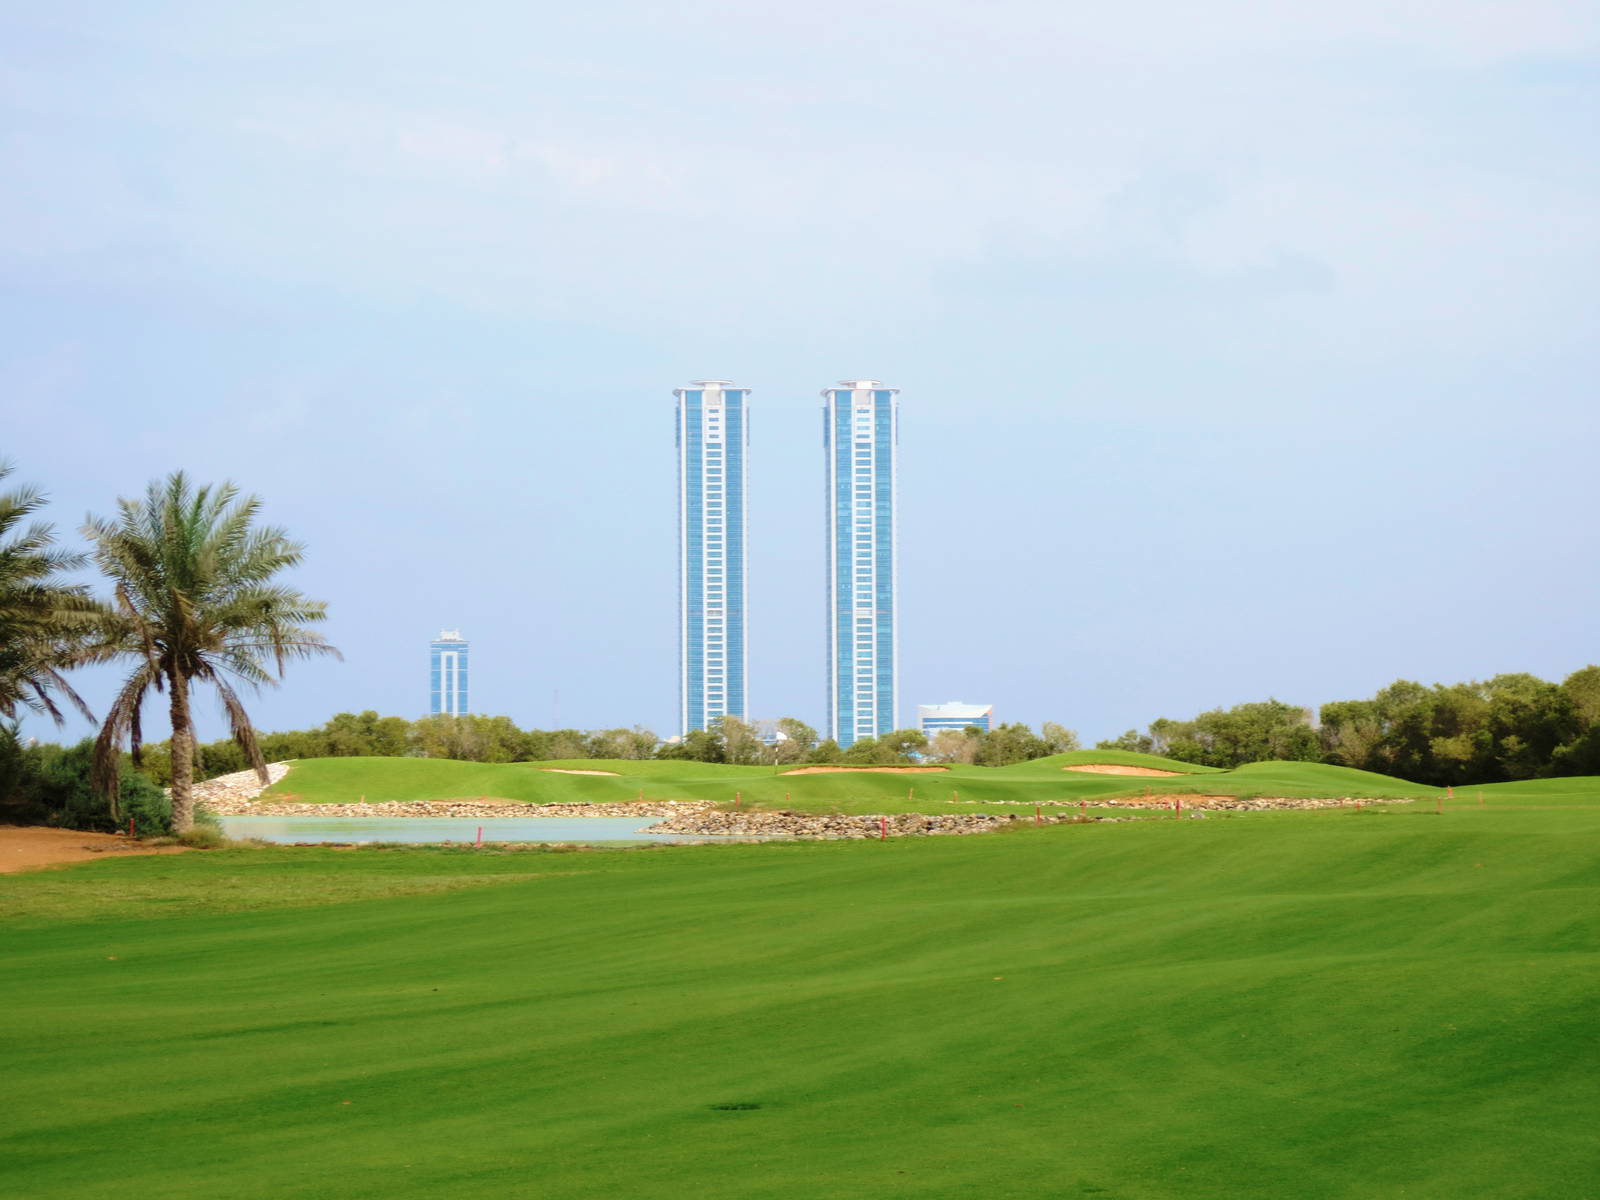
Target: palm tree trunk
(182,755)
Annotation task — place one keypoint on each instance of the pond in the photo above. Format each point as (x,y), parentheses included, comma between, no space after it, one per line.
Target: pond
(454,829)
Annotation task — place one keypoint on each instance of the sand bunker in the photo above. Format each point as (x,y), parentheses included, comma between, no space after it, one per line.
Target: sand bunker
(1118,769)
(572,771)
(26,846)
(878,770)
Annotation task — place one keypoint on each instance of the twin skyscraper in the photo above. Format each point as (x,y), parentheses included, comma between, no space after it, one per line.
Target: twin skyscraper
(860,430)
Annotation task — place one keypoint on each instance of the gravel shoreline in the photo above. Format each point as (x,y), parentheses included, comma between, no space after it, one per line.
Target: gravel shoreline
(237,796)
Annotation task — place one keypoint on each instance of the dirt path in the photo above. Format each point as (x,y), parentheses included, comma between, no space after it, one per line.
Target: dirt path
(23,847)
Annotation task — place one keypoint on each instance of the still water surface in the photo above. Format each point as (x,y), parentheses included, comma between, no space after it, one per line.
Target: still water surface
(452,829)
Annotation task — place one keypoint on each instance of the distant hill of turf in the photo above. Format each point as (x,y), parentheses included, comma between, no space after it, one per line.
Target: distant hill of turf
(1016,788)
(1118,758)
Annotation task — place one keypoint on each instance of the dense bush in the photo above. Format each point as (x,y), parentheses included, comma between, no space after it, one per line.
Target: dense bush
(470,738)
(498,739)
(49,784)
(1514,726)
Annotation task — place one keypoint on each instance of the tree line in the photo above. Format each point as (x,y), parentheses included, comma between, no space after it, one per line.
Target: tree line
(498,739)
(192,597)
(1513,726)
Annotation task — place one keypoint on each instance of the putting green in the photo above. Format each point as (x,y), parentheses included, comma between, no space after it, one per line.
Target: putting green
(1309,1005)
(959,789)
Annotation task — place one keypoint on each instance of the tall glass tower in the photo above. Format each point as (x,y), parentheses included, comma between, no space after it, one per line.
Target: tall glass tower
(860,430)
(449,674)
(713,435)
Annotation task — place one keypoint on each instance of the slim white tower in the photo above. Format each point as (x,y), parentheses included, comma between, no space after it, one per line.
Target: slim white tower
(860,433)
(713,435)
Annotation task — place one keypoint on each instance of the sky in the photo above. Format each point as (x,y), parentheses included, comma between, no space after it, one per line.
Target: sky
(1244,349)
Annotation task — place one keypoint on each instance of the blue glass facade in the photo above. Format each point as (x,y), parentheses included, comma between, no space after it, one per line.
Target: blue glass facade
(860,432)
(448,656)
(712,438)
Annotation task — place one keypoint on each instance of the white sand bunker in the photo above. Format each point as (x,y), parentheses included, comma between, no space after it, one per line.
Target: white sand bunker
(573,771)
(1119,769)
(878,770)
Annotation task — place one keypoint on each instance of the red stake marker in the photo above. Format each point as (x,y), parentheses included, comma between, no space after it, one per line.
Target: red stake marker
(883,829)
(1177,805)
(480,837)
(1083,809)
(1037,819)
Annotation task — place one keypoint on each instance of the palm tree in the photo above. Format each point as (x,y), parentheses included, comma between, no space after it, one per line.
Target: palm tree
(42,619)
(194,600)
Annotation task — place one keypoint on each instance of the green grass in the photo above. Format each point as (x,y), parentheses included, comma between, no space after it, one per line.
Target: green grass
(1319,1006)
(1121,758)
(1014,789)
(247,879)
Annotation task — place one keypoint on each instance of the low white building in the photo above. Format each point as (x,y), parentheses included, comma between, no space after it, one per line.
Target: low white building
(935,718)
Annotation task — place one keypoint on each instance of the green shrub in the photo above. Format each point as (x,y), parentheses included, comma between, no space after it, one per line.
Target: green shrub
(204,837)
(51,784)
(149,807)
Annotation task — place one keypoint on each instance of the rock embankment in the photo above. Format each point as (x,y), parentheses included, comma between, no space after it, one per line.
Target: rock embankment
(713,822)
(483,806)
(223,793)
(757,823)
(1235,803)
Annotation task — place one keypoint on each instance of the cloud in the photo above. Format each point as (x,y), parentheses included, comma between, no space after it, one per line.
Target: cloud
(741,166)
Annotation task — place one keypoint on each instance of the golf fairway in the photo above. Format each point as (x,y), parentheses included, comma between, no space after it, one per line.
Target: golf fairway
(1390,1003)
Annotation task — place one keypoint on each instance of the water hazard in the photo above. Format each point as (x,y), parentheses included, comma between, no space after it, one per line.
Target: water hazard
(453,829)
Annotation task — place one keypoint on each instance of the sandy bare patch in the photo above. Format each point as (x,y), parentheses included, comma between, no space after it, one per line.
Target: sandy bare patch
(23,847)
(1119,769)
(574,771)
(877,770)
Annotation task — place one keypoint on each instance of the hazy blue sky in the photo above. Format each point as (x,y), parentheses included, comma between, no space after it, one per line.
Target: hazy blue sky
(1245,349)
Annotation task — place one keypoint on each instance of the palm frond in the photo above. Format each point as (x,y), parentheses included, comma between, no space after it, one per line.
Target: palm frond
(122,719)
(239,724)
(195,598)
(42,616)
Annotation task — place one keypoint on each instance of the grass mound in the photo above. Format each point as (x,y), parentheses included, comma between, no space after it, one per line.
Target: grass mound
(1121,758)
(1573,788)
(960,789)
